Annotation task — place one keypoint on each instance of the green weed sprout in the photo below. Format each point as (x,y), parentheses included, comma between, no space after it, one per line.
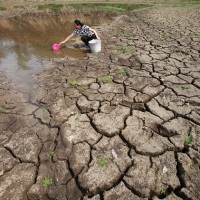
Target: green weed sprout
(163,191)
(127,49)
(81,88)
(185,87)
(115,53)
(2,110)
(102,162)
(52,154)
(47,181)
(74,83)
(188,140)
(106,79)
(56,74)
(121,71)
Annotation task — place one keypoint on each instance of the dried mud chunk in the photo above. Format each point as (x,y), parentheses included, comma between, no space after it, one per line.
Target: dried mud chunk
(142,133)
(78,129)
(190,175)
(25,145)
(73,192)
(111,124)
(7,161)
(15,183)
(120,192)
(79,157)
(109,162)
(179,129)
(87,106)
(146,176)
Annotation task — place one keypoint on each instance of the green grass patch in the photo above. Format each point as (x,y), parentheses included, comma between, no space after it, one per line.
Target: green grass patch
(2,8)
(54,7)
(188,140)
(2,110)
(196,34)
(52,154)
(102,162)
(185,87)
(166,36)
(127,49)
(110,6)
(106,79)
(56,74)
(115,53)
(47,181)
(121,71)
(81,88)
(74,83)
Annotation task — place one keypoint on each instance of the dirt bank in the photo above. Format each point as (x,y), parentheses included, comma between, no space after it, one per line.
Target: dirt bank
(122,124)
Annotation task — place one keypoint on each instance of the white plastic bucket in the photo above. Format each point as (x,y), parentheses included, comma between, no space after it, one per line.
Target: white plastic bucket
(95,45)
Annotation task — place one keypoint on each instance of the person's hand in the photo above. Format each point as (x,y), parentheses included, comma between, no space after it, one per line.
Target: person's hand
(60,43)
(98,38)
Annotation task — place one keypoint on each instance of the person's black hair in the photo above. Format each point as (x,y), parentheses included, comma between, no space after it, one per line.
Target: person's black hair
(78,22)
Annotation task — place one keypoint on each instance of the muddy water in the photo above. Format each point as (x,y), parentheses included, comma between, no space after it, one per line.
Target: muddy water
(26,43)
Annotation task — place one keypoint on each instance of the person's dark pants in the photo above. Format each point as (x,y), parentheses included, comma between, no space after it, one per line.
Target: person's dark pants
(86,39)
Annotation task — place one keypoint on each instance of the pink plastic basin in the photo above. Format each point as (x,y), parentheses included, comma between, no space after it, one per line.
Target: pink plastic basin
(56,47)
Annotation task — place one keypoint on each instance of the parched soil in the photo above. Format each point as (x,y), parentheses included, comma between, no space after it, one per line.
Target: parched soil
(134,134)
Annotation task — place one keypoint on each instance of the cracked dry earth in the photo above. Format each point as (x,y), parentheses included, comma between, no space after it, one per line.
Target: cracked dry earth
(124,139)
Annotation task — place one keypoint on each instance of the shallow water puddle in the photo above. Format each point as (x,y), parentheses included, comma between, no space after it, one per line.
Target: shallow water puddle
(23,53)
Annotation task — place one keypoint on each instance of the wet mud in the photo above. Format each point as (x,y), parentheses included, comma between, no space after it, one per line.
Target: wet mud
(122,124)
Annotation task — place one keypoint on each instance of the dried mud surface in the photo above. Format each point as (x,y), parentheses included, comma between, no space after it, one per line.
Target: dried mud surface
(123,139)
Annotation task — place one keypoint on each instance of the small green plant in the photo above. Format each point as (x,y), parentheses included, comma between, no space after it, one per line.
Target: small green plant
(188,140)
(74,83)
(196,34)
(185,87)
(81,88)
(102,162)
(163,191)
(2,8)
(47,181)
(2,110)
(127,49)
(121,71)
(52,154)
(56,74)
(115,53)
(43,107)
(106,79)
(166,35)
(131,38)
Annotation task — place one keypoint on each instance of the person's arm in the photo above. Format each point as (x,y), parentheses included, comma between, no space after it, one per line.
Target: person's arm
(68,38)
(94,32)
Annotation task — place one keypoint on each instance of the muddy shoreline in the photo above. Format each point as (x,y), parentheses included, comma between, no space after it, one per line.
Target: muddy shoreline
(122,124)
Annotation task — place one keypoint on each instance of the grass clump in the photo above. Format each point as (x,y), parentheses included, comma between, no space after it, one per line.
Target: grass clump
(54,7)
(2,8)
(110,6)
(2,109)
(127,49)
(74,83)
(196,34)
(52,154)
(188,140)
(47,181)
(56,74)
(115,53)
(102,162)
(185,87)
(166,36)
(106,79)
(121,71)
